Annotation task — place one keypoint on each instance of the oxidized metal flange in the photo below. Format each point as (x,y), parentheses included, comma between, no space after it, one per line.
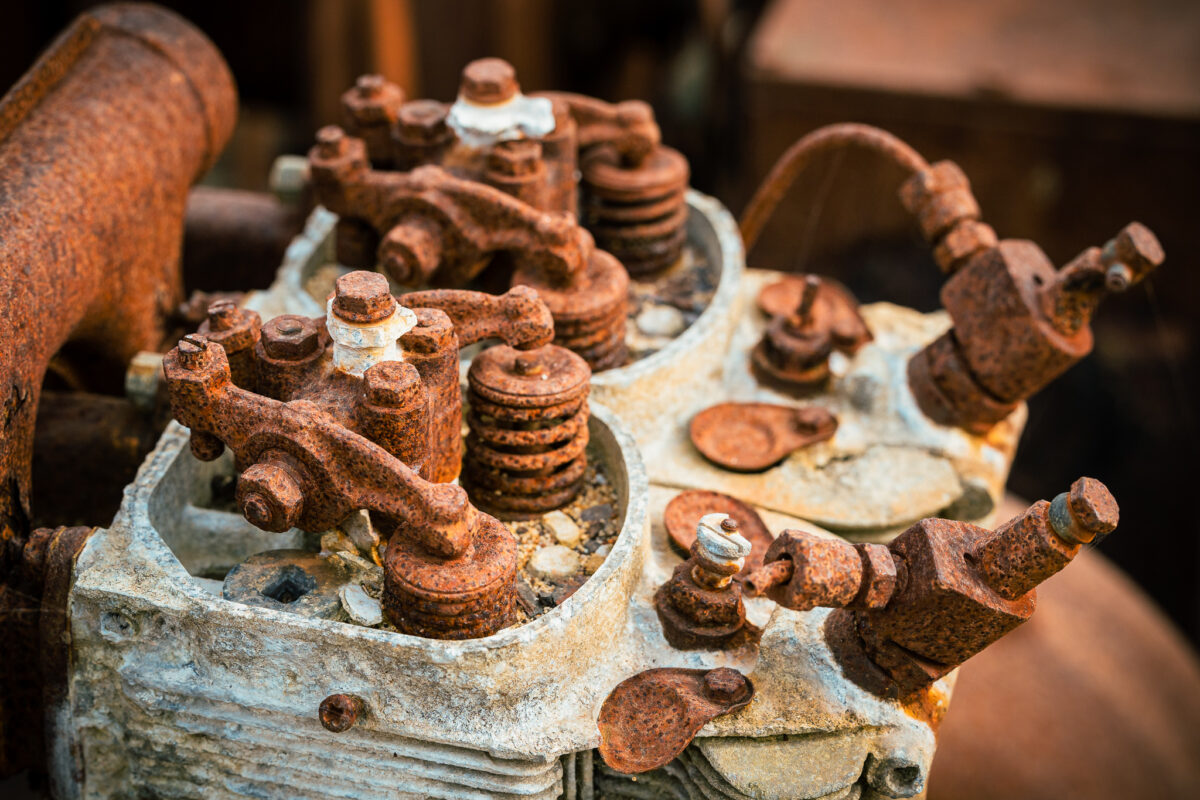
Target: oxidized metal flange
(526,452)
(650,718)
(683,514)
(752,437)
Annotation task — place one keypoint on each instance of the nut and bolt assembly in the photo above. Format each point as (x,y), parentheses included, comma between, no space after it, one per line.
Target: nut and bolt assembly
(908,613)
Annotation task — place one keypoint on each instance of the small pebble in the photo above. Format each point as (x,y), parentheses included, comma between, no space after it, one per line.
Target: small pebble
(547,600)
(358,527)
(658,320)
(565,531)
(554,563)
(591,545)
(361,607)
(600,513)
(593,563)
(335,541)
(604,550)
(563,592)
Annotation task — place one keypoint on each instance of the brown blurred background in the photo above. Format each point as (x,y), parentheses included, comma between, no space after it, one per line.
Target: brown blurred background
(1071,118)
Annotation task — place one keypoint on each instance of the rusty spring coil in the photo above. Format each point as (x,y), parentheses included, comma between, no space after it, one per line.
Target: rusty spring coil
(526,452)
(637,213)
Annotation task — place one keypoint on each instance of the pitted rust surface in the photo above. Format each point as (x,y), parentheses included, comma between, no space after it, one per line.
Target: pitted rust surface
(459,204)
(651,717)
(317,441)
(439,228)
(123,112)
(527,449)
(940,198)
(752,437)
(941,592)
(1018,324)
(684,511)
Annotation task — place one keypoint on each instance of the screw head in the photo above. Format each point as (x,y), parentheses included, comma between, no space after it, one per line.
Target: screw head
(290,337)
(725,685)
(488,81)
(339,712)
(362,296)
(331,140)
(222,315)
(193,350)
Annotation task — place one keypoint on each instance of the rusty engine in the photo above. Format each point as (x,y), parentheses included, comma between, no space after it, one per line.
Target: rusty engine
(399,538)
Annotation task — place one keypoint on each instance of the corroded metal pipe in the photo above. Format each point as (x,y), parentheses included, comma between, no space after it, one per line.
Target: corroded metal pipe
(99,143)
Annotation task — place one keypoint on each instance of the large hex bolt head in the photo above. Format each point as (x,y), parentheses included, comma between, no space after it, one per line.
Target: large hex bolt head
(269,497)
(422,122)
(488,81)
(1088,510)
(392,384)
(363,297)
(290,337)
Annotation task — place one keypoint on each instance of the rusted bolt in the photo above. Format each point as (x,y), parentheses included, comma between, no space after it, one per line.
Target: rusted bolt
(1130,255)
(222,315)
(363,296)
(1088,510)
(392,384)
(422,122)
(515,158)
(290,337)
(369,85)
(339,712)
(488,81)
(528,364)
(193,351)
(725,685)
(269,497)
(331,140)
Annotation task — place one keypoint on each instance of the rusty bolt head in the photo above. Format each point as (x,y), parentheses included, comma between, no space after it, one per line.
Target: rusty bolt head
(392,384)
(369,85)
(515,158)
(1131,256)
(725,685)
(1093,507)
(269,497)
(362,296)
(422,122)
(290,337)
(193,350)
(331,141)
(729,525)
(488,81)
(222,315)
(339,712)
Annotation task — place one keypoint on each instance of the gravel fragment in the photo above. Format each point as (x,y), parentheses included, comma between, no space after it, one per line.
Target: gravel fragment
(361,607)
(600,513)
(554,563)
(659,320)
(564,529)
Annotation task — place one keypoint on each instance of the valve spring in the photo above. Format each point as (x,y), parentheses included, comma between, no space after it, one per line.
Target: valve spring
(637,213)
(526,452)
(467,597)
